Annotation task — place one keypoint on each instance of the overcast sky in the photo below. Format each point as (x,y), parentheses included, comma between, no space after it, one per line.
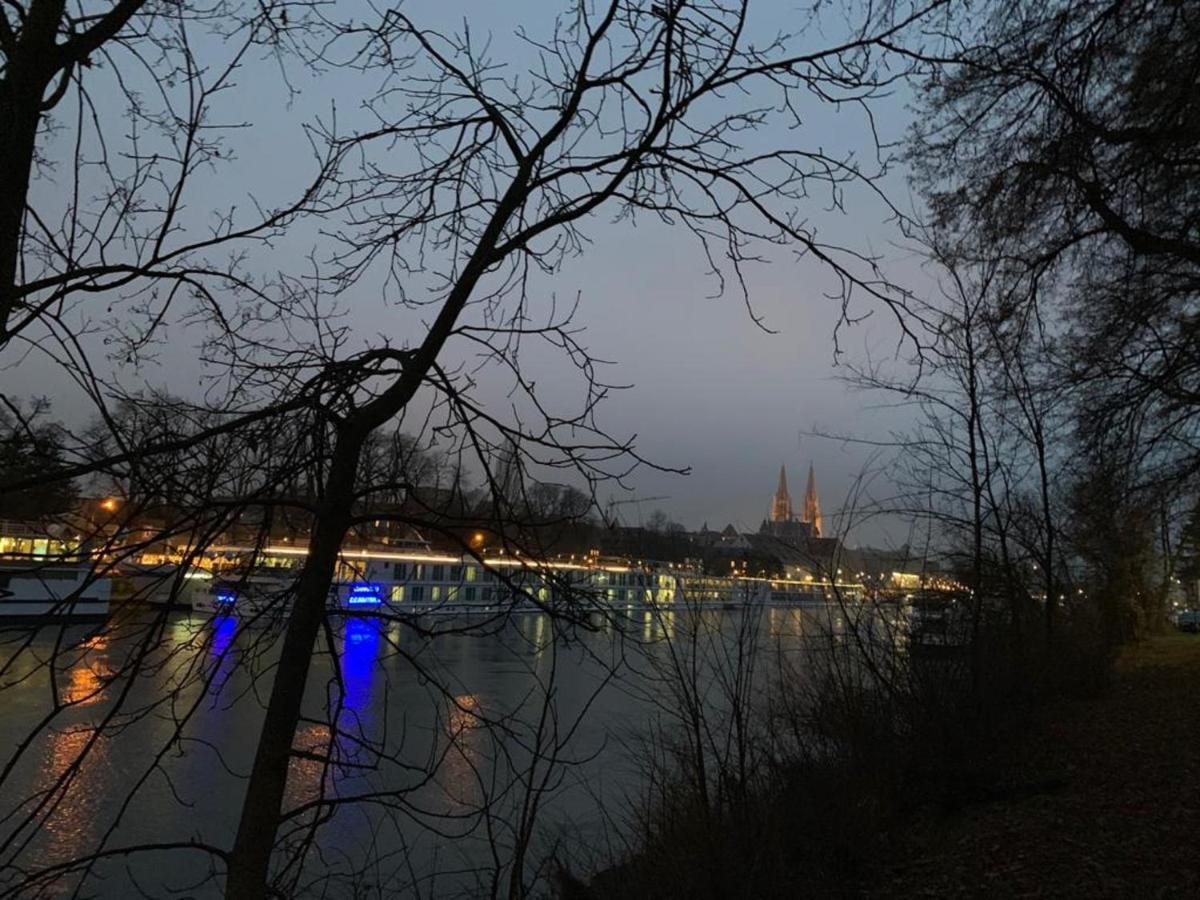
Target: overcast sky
(711,390)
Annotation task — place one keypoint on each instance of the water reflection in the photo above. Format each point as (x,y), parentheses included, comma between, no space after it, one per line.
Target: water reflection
(306,768)
(461,765)
(222,651)
(464,715)
(788,622)
(360,652)
(87,675)
(658,625)
(426,715)
(71,815)
(224,630)
(533,630)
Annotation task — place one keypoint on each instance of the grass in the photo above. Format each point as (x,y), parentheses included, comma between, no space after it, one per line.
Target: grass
(1094,798)
(1055,781)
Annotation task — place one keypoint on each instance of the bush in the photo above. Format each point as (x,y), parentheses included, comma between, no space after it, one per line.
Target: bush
(852,742)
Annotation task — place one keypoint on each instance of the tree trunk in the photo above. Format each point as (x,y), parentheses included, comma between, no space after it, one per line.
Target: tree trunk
(250,859)
(27,72)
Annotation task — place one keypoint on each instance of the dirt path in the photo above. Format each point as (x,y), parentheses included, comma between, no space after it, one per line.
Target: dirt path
(1118,814)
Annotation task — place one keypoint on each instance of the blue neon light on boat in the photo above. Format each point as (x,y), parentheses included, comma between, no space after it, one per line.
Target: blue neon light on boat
(365,593)
(226,598)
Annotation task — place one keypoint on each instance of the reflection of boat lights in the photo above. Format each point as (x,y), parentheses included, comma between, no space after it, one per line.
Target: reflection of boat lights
(305,767)
(80,757)
(365,594)
(84,687)
(359,645)
(224,628)
(464,715)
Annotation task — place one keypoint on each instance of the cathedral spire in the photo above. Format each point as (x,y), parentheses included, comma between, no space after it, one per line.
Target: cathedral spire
(812,506)
(781,503)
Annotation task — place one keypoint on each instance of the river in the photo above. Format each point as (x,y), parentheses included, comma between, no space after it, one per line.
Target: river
(429,750)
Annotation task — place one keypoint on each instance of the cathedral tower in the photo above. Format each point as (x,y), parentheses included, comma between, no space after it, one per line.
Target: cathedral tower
(781,503)
(812,506)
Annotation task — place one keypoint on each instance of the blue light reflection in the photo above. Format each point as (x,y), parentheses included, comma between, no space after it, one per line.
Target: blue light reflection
(224,629)
(360,648)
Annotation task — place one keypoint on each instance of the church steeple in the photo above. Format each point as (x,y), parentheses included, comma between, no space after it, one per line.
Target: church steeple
(812,506)
(781,503)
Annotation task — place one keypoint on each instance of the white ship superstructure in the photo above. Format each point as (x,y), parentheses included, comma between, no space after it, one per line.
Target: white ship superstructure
(49,591)
(428,582)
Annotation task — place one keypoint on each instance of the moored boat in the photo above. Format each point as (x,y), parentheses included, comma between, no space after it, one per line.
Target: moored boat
(37,590)
(166,585)
(249,595)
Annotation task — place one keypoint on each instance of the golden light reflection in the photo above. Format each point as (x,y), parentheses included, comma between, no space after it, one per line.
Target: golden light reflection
(82,688)
(464,756)
(305,772)
(71,822)
(464,715)
(85,679)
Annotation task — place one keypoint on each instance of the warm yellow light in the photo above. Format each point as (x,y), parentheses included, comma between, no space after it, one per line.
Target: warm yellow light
(110,504)
(478,538)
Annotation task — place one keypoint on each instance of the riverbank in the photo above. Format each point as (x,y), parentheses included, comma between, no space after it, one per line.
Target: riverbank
(1097,798)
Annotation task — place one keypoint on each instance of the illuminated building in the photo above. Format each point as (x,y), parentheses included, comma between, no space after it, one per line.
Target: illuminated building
(812,506)
(782,521)
(781,503)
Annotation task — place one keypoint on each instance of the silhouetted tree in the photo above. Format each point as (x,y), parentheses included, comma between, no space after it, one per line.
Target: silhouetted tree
(463,188)
(30,449)
(624,113)
(1064,136)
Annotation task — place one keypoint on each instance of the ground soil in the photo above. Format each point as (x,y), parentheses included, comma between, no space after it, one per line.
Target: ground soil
(1098,798)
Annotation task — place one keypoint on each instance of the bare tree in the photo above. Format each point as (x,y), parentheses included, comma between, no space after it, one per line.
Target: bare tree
(118,223)
(499,177)
(466,189)
(1059,133)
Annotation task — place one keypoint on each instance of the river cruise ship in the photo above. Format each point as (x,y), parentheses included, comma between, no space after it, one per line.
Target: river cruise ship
(253,581)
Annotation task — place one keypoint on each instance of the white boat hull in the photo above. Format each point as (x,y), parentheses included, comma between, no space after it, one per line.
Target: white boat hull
(38,592)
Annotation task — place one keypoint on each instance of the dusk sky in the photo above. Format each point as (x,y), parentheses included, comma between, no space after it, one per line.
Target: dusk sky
(711,390)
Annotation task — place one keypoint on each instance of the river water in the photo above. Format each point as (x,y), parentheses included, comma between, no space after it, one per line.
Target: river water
(429,750)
